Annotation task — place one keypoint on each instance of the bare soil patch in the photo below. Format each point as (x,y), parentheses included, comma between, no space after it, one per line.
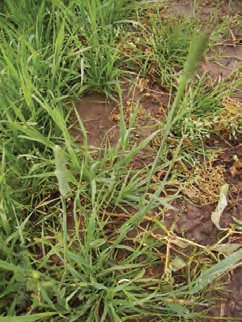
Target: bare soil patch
(222,61)
(95,112)
(204,9)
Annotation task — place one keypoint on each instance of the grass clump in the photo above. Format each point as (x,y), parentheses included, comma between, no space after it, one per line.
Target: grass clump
(158,47)
(169,48)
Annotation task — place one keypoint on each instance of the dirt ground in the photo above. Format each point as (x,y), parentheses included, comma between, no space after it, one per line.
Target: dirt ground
(207,8)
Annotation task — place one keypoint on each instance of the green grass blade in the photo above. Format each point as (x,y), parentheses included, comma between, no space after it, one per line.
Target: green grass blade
(217,270)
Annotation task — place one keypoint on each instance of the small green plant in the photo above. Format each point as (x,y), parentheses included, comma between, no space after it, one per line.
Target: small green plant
(169,47)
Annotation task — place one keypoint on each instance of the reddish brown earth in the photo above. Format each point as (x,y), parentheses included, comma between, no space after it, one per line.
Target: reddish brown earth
(204,9)
(195,220)
(222,61)
(95,113)
(230,299)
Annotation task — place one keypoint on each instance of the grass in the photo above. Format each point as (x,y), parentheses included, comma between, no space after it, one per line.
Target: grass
(78,233)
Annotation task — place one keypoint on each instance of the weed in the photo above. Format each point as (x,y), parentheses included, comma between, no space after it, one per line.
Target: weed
(82,238)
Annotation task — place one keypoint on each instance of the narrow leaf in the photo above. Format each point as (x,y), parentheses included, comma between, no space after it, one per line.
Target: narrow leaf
(217,270)
(27,318)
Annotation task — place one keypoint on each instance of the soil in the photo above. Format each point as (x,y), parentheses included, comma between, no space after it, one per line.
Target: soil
(206,8)
(222,61)
(193,220)
(95,113)
(233,306)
